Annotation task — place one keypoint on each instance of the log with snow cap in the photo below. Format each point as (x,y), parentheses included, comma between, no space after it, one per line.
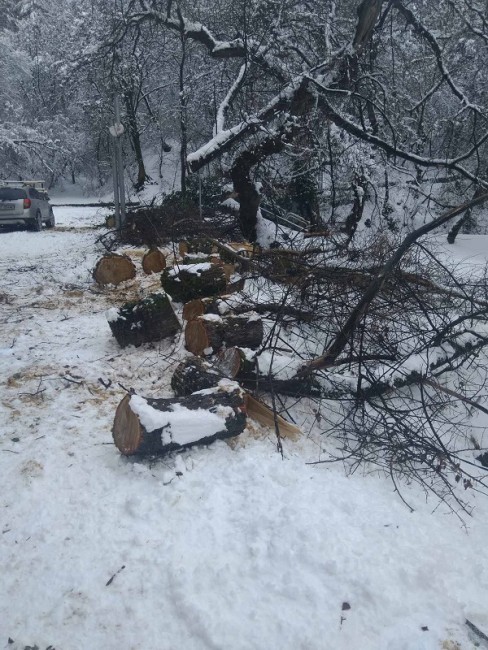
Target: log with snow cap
(154,427)
(188,281)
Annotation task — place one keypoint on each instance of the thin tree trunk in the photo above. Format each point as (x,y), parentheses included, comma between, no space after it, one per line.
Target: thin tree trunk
(136,141)
(183,115)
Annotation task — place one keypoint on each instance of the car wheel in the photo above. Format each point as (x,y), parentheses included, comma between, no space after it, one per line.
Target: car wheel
(52,222)
(37,222)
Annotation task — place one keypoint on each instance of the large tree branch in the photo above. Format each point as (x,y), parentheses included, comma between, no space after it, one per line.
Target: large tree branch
(343,337)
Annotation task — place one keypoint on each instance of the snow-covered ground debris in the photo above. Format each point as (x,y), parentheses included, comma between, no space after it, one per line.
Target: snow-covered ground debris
(217,548)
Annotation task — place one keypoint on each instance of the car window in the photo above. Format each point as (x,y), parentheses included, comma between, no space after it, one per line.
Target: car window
(11,193)
(34,194)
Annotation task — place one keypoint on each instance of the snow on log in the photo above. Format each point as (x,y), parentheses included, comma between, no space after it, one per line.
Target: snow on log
(194,374)
(212,305)
(208,333)
(114,269)
(153,261)
(186,282)
(157,426)
(241,365)
(151,319)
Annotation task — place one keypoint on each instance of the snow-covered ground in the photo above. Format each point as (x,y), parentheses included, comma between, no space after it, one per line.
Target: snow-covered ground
(228,548)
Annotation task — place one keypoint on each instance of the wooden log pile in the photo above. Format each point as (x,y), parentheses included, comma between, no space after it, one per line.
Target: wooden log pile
(218,410)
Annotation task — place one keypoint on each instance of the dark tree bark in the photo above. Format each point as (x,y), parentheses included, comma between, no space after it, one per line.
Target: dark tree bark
(194,374)
(211,332)
(135,138)
(151,319)
(185,284)
(131,437)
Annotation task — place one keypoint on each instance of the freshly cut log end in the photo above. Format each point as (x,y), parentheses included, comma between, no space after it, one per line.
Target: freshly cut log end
(193,309)
(127,431)
(201,306)
(154,427)
(232,363)
(114,269)
(153,261)
(194,374)
(203,336)
(193,281)
(151,319)
(208,333)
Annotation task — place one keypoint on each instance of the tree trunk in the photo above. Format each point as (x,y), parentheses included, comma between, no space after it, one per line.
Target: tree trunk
(135,137)
(151,319)
(183,115)
(154,427)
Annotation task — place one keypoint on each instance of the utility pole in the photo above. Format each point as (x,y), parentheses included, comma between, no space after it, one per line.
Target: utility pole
(116,131)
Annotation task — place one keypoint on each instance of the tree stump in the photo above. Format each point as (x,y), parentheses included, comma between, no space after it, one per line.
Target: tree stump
(153,261)
(155,427)
(186,282)
(151,319)
(114,269)
(194,374)
(208,333)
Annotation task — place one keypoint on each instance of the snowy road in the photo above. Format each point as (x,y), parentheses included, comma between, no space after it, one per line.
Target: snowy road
(219,548)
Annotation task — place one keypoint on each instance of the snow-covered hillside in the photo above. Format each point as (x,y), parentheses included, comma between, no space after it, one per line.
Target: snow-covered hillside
(226,547)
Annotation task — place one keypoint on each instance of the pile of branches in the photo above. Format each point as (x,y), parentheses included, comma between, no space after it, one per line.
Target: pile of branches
(398,343)
(155,225)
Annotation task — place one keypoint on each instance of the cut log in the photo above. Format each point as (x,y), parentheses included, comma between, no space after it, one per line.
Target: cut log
(114,269)
(208,333)
(155,427)
(193,309)
(234,364)
(186,282)
(151,319)
(204,335)
(196,245)
(194,374)
(153,261)
(201,306)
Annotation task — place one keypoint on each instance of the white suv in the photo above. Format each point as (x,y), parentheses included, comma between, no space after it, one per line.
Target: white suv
(25,203)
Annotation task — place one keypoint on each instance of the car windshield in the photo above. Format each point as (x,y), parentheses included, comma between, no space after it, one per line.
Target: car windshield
(11,193)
